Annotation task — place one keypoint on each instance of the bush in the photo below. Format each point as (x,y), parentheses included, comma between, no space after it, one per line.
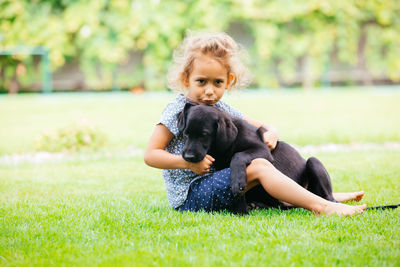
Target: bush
(79,136)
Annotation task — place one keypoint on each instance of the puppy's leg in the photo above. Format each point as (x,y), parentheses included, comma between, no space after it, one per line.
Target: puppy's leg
(238,173)
(238,181)
(319,181)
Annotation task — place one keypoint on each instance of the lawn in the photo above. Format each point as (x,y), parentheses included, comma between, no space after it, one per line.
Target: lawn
(111,209)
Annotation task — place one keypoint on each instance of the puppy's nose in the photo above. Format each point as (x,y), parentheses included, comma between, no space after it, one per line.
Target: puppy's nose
(188,156)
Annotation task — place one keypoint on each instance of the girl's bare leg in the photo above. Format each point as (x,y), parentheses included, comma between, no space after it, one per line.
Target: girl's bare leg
(285,189)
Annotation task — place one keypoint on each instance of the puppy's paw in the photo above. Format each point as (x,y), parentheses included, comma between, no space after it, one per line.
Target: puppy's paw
(238,188)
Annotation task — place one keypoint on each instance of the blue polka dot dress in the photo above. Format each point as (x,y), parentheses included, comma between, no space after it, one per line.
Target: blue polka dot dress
(185,189)
(210,193)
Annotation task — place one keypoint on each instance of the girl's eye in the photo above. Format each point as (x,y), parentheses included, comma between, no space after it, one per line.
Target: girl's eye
(201,81)
(219,82)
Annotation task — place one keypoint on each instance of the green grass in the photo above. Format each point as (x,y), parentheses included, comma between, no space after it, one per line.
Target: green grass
(114,211)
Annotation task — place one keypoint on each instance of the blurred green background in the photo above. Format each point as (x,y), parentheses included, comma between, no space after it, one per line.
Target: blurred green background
(128,44)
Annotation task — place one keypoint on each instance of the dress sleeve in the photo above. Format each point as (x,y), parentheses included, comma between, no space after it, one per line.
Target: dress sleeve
(169,116)
(230,110)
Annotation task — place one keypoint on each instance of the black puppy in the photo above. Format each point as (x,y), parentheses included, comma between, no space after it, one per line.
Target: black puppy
(234,143)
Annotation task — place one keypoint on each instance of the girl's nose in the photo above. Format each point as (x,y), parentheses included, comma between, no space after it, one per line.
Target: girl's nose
(209,90)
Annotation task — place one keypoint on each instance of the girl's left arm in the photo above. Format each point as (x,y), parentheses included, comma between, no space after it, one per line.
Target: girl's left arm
(270,136)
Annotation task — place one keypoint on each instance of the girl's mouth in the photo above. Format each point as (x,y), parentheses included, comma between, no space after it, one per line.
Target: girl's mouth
(208,102)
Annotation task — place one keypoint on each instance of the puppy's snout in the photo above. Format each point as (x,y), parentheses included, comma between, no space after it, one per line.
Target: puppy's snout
(188,156)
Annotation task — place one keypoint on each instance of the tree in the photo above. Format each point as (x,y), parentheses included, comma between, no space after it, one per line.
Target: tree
(294,41)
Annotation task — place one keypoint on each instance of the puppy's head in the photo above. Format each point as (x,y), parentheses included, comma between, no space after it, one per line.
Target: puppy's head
(204,127)
(196,122)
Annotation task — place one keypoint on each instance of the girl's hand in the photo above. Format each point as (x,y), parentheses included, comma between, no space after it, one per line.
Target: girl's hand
(203,166)
(270,136)
(271,139)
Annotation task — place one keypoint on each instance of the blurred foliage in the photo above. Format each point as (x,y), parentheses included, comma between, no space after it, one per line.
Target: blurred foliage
(80,136)
(101,35)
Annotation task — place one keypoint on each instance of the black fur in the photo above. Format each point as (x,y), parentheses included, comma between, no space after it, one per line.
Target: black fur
(234,143)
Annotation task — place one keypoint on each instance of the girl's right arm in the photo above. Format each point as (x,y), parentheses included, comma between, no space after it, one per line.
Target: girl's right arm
(156,156)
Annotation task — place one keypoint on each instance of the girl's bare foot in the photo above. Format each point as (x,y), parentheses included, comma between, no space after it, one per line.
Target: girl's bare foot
(341,209)
(342,197)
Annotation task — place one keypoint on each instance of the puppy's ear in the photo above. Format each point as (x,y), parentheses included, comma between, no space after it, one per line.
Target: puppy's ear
(226,133)
(183,115)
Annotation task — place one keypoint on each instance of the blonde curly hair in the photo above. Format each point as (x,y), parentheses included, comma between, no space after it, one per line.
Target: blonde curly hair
(218,45)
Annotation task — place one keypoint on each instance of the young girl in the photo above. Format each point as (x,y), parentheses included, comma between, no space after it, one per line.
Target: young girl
(205,66)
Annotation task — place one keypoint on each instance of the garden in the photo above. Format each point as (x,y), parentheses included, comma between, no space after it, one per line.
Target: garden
(83,83)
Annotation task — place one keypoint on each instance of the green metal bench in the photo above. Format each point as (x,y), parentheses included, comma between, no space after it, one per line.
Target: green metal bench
(41,51)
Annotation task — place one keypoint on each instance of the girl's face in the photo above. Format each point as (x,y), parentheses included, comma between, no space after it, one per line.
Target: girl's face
(207,81)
